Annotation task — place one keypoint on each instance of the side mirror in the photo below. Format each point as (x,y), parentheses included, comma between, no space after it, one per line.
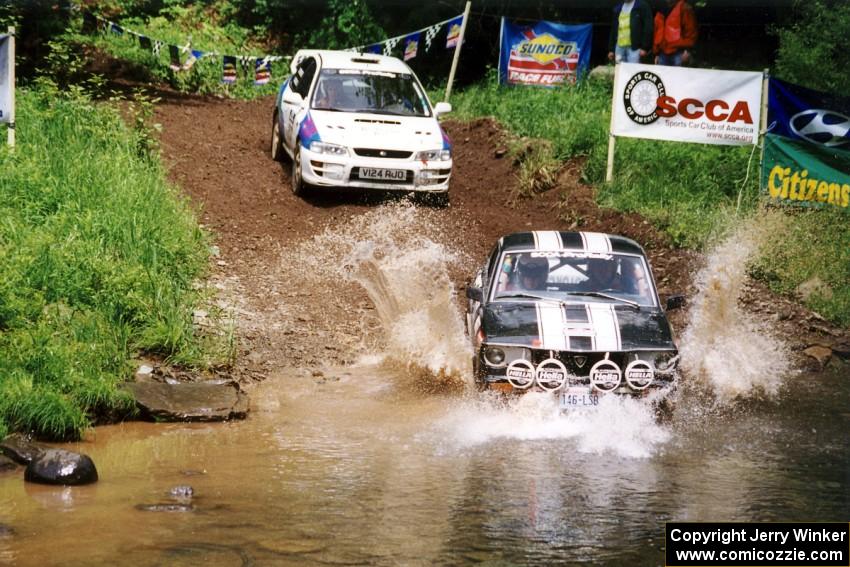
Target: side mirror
(442,108)
(675,302)
(475,294)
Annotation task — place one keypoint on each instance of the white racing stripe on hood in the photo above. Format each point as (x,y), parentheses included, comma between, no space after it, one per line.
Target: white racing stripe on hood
(550,325)
(548,240)
(596,242)
(606,326)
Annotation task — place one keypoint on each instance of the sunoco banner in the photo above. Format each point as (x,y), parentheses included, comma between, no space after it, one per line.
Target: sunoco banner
(794,171)
(6,85)
(687,105)
(812,116)
(545,54)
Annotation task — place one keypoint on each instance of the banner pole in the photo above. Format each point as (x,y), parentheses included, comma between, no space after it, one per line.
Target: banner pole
(763,126)
(609,171)
(10,131)
(457,49)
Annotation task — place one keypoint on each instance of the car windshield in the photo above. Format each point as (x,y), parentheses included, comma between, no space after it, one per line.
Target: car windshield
(574,276)
(375,92)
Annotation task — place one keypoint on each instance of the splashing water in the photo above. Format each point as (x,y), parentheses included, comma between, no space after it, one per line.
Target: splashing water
(619,425)
(727,349)
(394,254)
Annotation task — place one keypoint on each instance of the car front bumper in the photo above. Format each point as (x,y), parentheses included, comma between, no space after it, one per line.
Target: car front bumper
(322,170)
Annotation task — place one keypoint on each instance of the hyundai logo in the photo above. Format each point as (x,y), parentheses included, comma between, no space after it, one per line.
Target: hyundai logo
(822,127)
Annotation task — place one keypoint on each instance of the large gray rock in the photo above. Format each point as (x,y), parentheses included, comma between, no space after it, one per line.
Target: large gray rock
(190,402)
(20,448)
(57,466)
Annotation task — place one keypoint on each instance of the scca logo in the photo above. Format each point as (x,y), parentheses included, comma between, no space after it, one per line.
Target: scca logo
(822,127)
(545,48)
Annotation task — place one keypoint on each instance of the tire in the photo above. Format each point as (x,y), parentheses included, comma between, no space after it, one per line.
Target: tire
(299,189)
(276,145)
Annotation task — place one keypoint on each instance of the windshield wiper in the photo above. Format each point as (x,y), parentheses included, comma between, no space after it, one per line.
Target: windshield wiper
(331,109)
(527,296)
(385,112)
(634,304)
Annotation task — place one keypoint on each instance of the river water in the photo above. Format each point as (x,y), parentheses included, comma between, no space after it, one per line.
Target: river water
(394,461)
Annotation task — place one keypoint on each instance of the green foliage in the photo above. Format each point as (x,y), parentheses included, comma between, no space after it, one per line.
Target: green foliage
(347,24)
(98,255)
(811,245)
(813,43)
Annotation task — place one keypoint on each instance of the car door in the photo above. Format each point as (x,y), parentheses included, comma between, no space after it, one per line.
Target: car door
(295,103)
(481,280)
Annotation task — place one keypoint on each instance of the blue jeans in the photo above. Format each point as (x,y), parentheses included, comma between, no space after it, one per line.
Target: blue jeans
(673,60)
(626,55)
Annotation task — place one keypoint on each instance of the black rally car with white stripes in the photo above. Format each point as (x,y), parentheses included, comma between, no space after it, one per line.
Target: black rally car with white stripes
(575,313)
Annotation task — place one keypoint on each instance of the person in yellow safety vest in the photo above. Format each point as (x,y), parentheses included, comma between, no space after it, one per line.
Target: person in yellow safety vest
(631,32)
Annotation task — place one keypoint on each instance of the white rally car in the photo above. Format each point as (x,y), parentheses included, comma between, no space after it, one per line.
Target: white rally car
(360,120)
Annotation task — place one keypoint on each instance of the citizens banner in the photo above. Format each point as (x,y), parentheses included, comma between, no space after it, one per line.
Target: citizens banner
(546,54)
(687,105)
(808,115)
(6,85)
(796,172)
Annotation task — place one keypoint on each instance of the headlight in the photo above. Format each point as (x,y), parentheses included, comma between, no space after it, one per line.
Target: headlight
(494,356)
(663,362)
(434,155)
(328,149)
(499,356)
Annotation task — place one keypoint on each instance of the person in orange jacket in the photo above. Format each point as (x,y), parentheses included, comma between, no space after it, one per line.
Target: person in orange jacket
(675,34)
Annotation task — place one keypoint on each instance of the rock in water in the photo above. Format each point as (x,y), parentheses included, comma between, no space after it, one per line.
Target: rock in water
(20,449)
(56,466)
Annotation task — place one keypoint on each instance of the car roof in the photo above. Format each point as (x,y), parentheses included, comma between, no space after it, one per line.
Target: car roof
(590,242)
(351,60)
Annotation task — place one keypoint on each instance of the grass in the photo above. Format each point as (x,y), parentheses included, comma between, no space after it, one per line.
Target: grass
(98,255)
(690,191)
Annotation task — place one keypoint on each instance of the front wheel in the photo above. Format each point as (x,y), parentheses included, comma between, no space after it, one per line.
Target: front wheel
(276,147)
(298,187)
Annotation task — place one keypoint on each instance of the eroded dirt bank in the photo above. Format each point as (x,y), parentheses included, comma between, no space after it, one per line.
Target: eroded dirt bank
(217,152)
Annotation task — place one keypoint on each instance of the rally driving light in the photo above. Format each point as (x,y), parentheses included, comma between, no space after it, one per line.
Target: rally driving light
(328,149)
(434,155)
(605,376)
(639,374)
(551,374)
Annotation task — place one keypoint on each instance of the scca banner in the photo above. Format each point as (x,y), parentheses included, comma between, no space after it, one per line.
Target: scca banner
(6,85)
(812,116)
(794,171)
(546,54)
(687,105)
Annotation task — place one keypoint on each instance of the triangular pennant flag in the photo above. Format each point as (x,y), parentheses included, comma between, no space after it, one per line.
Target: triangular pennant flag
(174,52)
(390,44)
(430,34)
(157,47)
(453,35)
(262,71)
(246,61)
(228,74)
(411,45)
(375,48)
(116,29)
(145,42)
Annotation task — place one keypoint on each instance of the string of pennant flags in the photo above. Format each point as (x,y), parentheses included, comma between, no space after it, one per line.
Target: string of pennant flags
(261,65)
(410,41)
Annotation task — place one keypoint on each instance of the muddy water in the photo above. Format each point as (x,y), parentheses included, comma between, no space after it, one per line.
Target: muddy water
(396,461)
(364,470)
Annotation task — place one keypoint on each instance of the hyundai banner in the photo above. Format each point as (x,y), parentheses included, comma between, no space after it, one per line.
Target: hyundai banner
(546,54)
(811,116)
(6,85)
(687,105)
